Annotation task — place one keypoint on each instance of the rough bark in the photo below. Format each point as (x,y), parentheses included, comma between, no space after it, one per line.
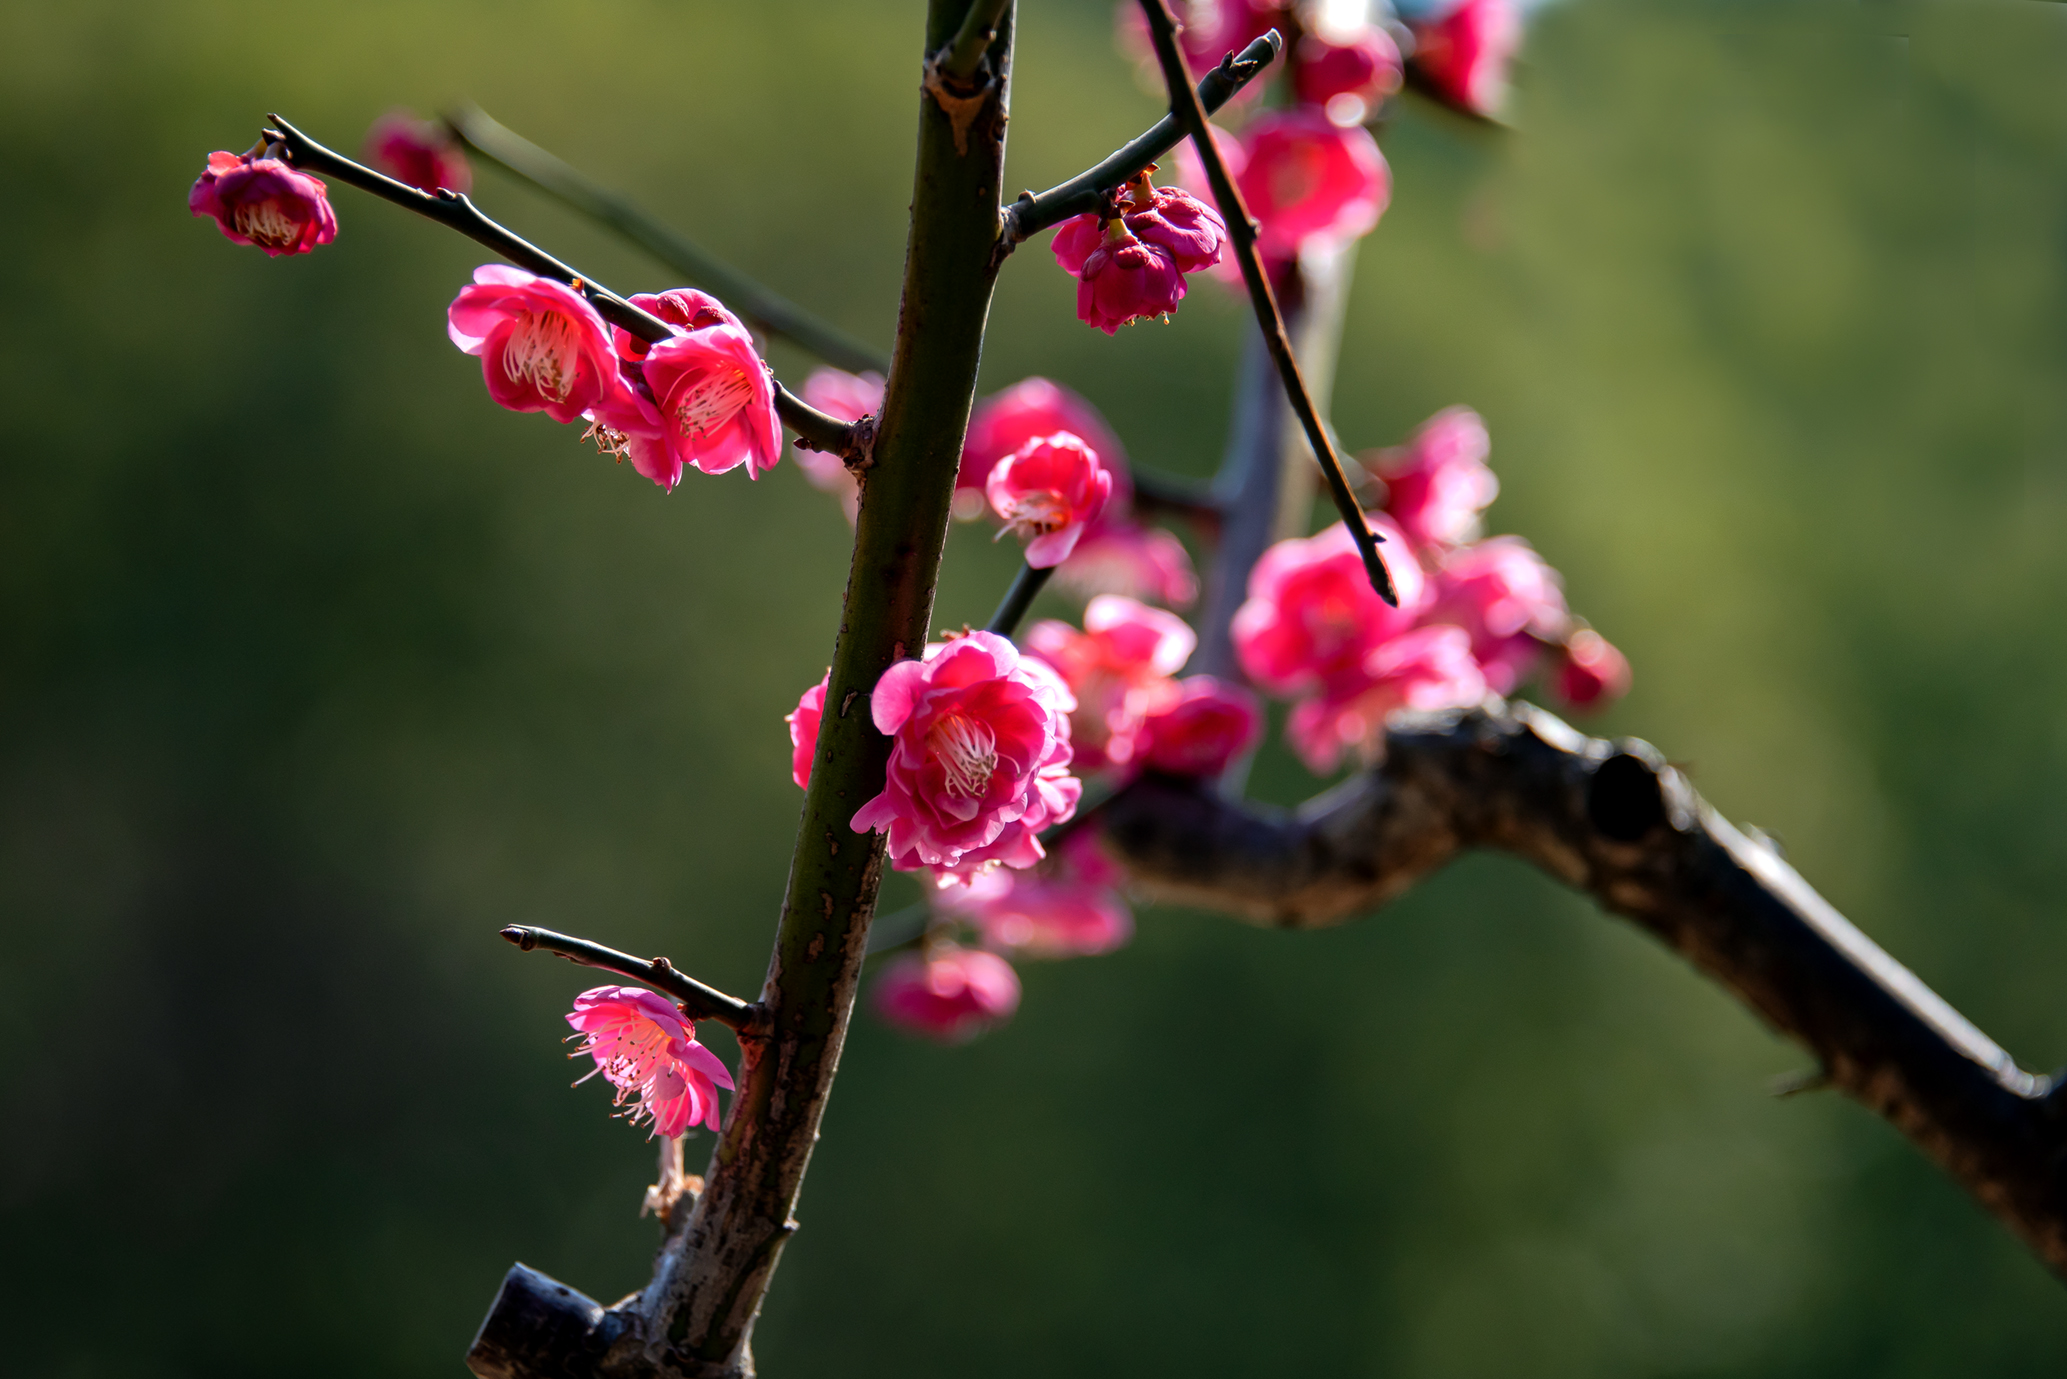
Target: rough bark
(1614,820)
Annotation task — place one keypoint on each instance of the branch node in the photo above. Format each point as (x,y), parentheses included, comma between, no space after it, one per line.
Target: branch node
(1625,800)
(961,110)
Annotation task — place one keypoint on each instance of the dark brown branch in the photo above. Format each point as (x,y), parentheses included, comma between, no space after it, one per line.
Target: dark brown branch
(1018,598)
(1177,496)
(759,305)
(698,1002)
(1241,231)
(454,211)
(1614,820)
(1087,191)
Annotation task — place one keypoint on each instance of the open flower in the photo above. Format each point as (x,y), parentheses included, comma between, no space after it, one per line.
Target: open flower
(1309,182)
(542,347)
(1031,408)
(716,401)
(803,723)
(1465,54)
(1511,602)
(265,202)
(1201,729)
(849,397)
(1047,492)
(1591,674)
(980,762)
(1069,906)
(1119,669)
(1425,669)
(1312,615)
(950,994)
(647,1050)
(422,153)
(1437,483)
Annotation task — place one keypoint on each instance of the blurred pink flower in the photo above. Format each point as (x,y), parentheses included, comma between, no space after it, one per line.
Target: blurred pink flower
(1046,493)
(644,1048)
(1503,594)
(1123,557)
(1347,72)
(1208,31)
(850,397)
(422,153)
(1591,674)
(1437,483)
(542,347)
(1465,54)
(1068,907)
(716,400)
(1426,669)
(803,730)
(265,202)
(951,994)
(981,757)
(1312,615)
(1119,669)
(1202,729)
(1310,182)
(1006,420)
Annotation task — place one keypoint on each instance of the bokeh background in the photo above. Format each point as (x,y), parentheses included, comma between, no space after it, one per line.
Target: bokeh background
(316,668)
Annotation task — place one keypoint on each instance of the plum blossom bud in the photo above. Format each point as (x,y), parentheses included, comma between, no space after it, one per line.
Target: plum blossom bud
(1174,220)
(1437,484)
(1347,73)
(1312,615)
(422,153)
(1120,278)
(1425,669)
(980,758)
(1310,182)
(1592,674)
(1465,54)
(1119,669)
(647,1050)
(1068,907)
(684,308)
(848,397)
(1202,730)
(1511,602)
(265,202)
(951,994)
(717,401)
(803,723)
(542,347)
(1047,492)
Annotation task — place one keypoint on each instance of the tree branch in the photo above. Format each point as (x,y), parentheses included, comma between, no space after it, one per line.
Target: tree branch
(1179,496)
(1191,116)
(454,211)
(1018,598)
(1087,191)
(698,1002)
(761,307)
(1614,820)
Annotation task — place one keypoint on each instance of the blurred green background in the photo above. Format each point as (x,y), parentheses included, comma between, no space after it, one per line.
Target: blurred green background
(316,668)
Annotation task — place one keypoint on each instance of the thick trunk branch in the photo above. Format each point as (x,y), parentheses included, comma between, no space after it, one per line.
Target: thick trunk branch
(1614,820)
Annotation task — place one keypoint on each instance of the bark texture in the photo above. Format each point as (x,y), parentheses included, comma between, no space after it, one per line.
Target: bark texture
(1614,820)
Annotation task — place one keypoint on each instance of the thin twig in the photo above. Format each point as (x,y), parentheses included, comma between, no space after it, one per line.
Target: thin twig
(454,211)
(698,1002)
(1082,194)
(1185,107)
(964,53)
(760,306)
(1018,599)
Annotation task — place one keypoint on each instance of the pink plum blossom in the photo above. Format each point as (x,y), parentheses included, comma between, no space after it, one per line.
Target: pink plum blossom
(542,347)
(849,397)
(949,994)
(1503,594)
(684,308)
(1310,182)
(1173,220)
(1312,615)
(1465,54)
(980,759)
(1047,492)
(1347,73)
(422,153)
(716,399)
(1591,674)
(265,202)
(629,421)
(1201,730)
(1119,669)
(647,1050)
(1120,278)
(1070,906)
(803,723)
(1426,669)
(1120,556)
(1437,484)
(1033,407)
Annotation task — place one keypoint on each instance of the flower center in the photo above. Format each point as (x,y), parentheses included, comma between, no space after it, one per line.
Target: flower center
(263,222)
(713,400)
(541,352)
(967,752)
(1036,513)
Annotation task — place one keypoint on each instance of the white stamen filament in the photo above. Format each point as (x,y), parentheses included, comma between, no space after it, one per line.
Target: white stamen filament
(541,351)
(712,401)
(1036,513)
(967,752)
(263,222)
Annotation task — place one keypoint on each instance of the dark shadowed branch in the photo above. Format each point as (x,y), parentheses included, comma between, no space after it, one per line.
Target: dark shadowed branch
(759,305)
(1614,820)
(1018,598)
(449,208)
(698,1002)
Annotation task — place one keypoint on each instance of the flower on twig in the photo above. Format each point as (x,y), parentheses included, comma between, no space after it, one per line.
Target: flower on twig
(1047,492)
(542,347)
(265,202)
(645,1048)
